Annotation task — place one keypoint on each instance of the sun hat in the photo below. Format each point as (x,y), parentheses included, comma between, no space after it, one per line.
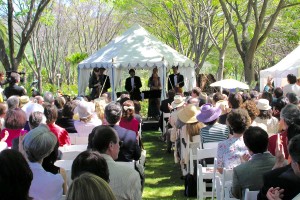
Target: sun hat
(24,100)
(263,104)
(178,101)
(208,113)
(84,109)
(188,114)
(32,107)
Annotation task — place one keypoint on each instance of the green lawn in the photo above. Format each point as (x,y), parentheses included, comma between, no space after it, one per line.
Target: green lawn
(162,174)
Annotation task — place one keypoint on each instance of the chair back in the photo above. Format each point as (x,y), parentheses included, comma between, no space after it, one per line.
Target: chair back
(210,145)
(65,164)
(82,140)
(79,147)
(70,155)
(72,137)
(226,184)
(250,195)
(165,115)
(204,172)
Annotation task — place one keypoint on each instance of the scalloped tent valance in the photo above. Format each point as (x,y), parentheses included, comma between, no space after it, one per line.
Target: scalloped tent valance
(136,48)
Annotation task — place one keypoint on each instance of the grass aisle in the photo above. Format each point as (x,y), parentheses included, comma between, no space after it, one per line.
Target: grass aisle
(162,174)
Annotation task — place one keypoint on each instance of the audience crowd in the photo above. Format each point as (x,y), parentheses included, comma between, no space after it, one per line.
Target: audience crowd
(257,135)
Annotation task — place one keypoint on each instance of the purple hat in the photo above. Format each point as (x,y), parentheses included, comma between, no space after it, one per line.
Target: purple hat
(208,113)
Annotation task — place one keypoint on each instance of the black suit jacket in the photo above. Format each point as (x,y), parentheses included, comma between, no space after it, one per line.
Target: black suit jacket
(14,90)
(180,80)
(284,178)
(93,81)
(135,93)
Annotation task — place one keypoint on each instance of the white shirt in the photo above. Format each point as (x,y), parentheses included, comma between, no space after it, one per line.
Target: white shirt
(132,82)
(291,88)
(175,79)
(45,185)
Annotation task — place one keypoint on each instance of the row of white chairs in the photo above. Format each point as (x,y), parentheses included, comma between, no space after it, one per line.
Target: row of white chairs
(77,140)
(221,183)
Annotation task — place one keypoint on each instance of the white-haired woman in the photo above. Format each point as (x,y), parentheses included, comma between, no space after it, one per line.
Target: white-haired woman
(38,144)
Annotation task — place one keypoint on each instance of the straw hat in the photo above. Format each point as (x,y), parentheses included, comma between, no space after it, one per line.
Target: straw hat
(188,114)
(263,104)
(208,113)
(178,101)
(24,100)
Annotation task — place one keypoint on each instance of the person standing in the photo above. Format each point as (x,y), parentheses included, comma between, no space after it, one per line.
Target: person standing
(154,103)
(13,88)
(133,85)
(292,87)
(176,81)
(99,82)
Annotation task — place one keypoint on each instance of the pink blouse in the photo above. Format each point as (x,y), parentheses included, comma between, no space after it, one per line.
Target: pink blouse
(130,125)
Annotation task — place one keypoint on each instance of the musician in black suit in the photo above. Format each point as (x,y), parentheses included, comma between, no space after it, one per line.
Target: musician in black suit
(175,81)
(99,82)
(133,85)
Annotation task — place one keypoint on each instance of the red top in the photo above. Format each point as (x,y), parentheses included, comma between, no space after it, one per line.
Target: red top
(12,134)
(61,134)
(130,125)
(273,140)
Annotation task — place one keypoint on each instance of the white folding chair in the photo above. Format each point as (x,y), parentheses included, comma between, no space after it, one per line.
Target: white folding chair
(73,137)
(193,146)
(165,115)
(82,140)
(227,177)
(63,197)
(250,195)
(210,145)
(70,155)
(79,147)
(204,172)
(66,164)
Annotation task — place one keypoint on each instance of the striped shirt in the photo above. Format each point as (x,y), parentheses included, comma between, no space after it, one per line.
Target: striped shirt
(214,133)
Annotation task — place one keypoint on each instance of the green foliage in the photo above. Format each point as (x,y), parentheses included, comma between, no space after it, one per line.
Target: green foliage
(76,58)
(3,31)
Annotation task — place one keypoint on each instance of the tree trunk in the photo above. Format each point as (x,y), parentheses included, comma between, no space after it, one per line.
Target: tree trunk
(221,64)
(248,69)
(40,79)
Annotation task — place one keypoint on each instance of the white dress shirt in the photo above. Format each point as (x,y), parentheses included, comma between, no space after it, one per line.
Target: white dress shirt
(132,82)
(45,185)
(175,80)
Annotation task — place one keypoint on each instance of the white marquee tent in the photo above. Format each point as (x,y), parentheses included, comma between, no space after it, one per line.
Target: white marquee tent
(288,65)
(137,49)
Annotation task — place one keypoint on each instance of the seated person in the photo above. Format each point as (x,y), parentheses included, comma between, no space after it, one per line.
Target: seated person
(90,186)
(38,144)
(249,174)
(92,162)
(88,119)
(130,149)
(66,121)
(15,175)
(213,131)
(124,180)
(283,183)
(230,150)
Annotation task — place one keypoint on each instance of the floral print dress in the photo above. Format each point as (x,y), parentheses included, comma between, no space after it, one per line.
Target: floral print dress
(229,152)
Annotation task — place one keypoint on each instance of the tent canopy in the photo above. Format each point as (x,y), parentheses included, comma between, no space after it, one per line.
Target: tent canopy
(138,49)
(288,65)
